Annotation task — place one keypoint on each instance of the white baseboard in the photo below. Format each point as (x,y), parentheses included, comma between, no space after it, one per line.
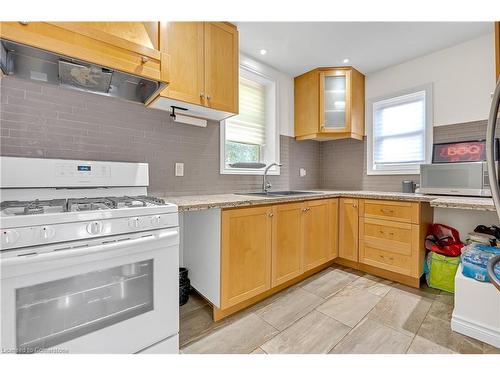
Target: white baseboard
(475,331)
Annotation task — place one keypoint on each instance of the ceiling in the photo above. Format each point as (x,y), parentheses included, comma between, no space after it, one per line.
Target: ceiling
(296,47)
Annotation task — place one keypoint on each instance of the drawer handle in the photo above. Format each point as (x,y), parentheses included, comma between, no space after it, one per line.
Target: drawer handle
(387,210)
(383,257)
(390,233)
(144,59)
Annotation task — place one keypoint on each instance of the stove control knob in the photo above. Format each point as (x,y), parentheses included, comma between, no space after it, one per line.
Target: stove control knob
(9,237)
(95,227)
(156,220)
(135,222)
(46,233)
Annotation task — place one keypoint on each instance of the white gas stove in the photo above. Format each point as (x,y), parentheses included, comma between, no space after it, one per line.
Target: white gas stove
(89,261)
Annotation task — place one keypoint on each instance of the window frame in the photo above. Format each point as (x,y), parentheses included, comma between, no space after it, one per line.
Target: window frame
(272,148)
(403,168)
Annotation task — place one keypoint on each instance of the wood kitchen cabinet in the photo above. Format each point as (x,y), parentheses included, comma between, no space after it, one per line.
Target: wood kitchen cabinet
(204,61)
(316,227)
(391,238)
(245,253)
(348,229)
(288,242)
(334,228)
(131,47)
(268,247)
(329,104)
(264,249)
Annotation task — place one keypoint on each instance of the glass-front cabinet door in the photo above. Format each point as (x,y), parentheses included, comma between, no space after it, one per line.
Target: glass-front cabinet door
(334,101)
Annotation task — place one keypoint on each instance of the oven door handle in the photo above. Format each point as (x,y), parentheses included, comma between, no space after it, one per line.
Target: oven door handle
(89,250)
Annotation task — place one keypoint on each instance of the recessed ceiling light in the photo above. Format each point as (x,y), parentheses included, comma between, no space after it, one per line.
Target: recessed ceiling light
(345,61)
(263,52)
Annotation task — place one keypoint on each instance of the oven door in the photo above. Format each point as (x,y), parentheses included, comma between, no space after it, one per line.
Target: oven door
(114,295)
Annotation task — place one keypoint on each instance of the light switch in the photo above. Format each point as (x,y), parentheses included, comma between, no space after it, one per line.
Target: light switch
(179,169)
(302,172)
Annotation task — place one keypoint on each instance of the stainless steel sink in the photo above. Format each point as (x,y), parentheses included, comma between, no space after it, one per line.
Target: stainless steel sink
(283,193)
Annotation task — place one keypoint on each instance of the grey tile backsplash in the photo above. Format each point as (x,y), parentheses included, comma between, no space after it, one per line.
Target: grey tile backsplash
(343,162)
(38,120)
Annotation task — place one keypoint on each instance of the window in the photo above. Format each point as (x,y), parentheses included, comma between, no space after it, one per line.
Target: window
(400,135)
(252,135)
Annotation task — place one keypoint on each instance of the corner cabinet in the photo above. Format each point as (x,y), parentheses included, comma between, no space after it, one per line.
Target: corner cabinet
(131,47)
(204,63)
(330,104)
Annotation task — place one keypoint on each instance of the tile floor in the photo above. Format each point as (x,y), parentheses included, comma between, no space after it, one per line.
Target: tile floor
(338,310)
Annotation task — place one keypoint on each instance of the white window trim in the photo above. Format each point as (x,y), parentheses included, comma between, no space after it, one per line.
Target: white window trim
(272,116)
(401,168)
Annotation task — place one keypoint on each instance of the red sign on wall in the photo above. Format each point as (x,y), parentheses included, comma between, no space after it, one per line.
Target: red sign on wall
(459,152)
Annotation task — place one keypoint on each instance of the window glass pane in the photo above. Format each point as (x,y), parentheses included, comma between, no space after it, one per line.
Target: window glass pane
(399,130)
(396,150)
(249,126)
(57,311)
(241,152)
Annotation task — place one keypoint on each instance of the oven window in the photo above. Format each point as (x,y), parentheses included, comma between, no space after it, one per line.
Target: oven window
(54,312)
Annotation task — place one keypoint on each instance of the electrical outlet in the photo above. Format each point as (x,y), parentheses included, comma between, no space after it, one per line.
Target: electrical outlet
(302,172)
(179,169)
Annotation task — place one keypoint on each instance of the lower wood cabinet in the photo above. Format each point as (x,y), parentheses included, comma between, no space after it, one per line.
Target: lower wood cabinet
(348,229)
(264,249)
(317,233)
(267,246)
(288,242)
(245,253)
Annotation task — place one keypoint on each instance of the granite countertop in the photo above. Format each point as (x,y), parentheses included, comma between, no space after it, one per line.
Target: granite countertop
(201,202)
(464,203)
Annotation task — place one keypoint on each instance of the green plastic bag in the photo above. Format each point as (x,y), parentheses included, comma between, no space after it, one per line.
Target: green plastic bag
(441,270)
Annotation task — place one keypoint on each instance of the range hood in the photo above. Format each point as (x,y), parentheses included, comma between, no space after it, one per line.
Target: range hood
(34,64)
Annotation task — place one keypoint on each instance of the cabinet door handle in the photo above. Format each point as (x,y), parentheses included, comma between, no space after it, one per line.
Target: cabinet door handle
(202,95)
(304,210)
(354,206)
(270,214)
(208,97)
(24,23)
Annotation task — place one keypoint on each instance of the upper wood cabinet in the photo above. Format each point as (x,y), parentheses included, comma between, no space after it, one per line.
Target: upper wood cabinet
(184,42)
(204,63)
(131,47)
(330,104)
(245,254)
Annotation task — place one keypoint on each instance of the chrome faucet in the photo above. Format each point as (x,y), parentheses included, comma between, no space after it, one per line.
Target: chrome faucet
(266,185)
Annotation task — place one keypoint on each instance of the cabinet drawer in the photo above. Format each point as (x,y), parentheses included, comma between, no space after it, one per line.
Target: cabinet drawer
(376,257)
(406,212)
(392,236)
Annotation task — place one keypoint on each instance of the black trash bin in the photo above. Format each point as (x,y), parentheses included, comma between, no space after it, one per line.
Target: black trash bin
(184,286)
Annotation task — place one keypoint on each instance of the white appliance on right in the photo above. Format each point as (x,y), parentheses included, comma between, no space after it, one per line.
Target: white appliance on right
(477,304)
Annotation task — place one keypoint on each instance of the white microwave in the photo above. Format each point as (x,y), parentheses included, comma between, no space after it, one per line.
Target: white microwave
(468,179)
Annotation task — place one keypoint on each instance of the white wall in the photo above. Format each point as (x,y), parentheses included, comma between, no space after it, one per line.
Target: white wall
(284,88)
(462,78)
